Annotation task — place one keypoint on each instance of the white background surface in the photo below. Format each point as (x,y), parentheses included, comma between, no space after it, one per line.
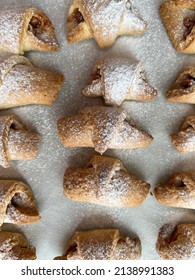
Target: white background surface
(60,216)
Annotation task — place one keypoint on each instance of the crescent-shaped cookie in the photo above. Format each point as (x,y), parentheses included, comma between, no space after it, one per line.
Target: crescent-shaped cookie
(179,19)
(176,242)
(14,246)
(25,29)
(16,142)
(101,128)
(183,90)
(104,181)
(102,244)
(17,203)
(184,140)
(179,191)
(103,20)
(21,83)
(117,80)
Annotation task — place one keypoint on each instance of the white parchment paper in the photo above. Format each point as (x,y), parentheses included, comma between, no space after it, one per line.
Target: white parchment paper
(60,216)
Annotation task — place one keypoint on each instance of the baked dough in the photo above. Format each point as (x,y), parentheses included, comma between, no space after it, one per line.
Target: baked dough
(179,191)
(14,246)
(16,142)
(183,90)
(21,83)
(184,140)
(17,203)
(104,181)
(103,20)
(179,19)
(176,242)
(25,29)
(117,80)
(101,128)
(102,244)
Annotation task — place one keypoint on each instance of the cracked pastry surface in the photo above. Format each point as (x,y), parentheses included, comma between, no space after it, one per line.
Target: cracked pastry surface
(103,20)
(14,246)
(184,140)
(117,80)
(102,244)
(17,203)
(179,191)
(179,19)
(25,29)
(183,90)
(101,128)
(176,242)
(21,83)
(104,181)
(16,142)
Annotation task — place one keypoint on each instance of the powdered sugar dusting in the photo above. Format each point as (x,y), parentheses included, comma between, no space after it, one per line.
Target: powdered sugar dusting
(102,128)
(118,77)
(11,24)
(25,84)
(109,19)
(105,18)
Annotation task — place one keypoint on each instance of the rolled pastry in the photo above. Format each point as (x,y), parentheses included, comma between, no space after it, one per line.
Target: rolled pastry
(104,181)
(14,246)
(25,29)
(104,21)
(184,140)
(117,80)
(16,142)
(176,242)
(17,203)
(179,191)
(179,19)
(102,244)
(101,128)
(183,90)
(21,83)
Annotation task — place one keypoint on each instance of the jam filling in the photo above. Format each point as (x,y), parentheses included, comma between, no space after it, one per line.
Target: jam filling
(96,75)
(187,82)
(189,23)
(72,249)
(35,25)
(180,184)
(78,17)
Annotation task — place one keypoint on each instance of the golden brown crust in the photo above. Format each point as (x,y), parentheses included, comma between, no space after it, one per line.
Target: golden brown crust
(26,29)
(179,191)
(14,246)
(102,128)
(183,90)
(104,21)
(104,181)
(117,80)
(178,17)
(21,83)
(17,203)
(16,142)
(184,140)
(102,244)
(176,242)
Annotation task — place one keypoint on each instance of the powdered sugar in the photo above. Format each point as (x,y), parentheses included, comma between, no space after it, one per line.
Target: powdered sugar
(120,79)
(23,84)
(105,182)
(11,25)
(102,128)
(109,19)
